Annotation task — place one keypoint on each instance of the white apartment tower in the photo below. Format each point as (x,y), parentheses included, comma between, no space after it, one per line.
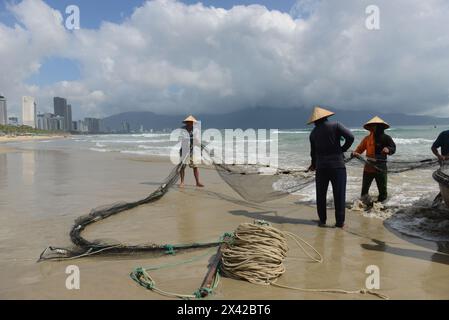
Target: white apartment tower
(3,112)
(29,112)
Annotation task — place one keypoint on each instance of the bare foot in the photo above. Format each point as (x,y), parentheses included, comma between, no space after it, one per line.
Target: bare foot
(199,185)
(181,185)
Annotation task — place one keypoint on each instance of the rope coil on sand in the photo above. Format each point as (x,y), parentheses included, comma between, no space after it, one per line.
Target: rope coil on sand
(255,253)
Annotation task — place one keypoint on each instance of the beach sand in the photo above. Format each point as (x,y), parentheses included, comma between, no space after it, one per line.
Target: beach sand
(42,192)
(30,138)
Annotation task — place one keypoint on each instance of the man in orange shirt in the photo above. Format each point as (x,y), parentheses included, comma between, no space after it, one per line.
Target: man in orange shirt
(378,146)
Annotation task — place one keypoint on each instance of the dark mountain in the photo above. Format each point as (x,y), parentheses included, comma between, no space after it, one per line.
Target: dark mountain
(262,117)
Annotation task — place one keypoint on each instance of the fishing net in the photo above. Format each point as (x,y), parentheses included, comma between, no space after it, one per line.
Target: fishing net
(254,183)
(260,184)
(442,175)
(397,166)
(83,247)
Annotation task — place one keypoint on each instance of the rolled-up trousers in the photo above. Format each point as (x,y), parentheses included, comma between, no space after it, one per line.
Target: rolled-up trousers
(337,177)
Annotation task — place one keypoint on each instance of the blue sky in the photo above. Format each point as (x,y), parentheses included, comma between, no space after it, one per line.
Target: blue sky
(94,12)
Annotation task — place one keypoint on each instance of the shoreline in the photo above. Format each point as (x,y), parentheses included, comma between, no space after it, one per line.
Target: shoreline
(6,139)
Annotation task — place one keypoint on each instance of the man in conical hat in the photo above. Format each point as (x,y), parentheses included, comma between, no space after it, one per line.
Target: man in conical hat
(328,161)
(377,146)
(188,126)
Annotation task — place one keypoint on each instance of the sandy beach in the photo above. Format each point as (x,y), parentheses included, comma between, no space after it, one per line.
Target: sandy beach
(4,139)
(43,191)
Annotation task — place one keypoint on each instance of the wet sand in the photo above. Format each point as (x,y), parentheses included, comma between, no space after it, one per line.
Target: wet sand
(43,191)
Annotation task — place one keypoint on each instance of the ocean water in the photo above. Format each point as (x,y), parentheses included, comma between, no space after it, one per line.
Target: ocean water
(413,143)
(407,191)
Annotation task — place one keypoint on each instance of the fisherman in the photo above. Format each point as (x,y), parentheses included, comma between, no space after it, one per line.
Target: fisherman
(328,161)
(378,146)
(441,142)
(188,126)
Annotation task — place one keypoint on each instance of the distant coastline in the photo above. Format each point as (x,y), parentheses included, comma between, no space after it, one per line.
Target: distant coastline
(11,133)
(24,138)
(259,118)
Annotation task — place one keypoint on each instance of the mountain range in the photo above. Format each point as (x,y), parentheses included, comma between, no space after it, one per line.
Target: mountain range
(262,117)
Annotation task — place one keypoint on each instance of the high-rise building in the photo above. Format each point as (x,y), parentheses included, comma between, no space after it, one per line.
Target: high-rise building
(3,111)
(64,110)
(68,119)
(56,123)
(103,128)
(60,106)
(92,124)
(29,112)
(126,128)
(41,122)
(81,126)
(13,121)
(50,122)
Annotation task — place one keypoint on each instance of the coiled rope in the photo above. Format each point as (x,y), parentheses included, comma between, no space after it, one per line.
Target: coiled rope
(255,253)
(258,251)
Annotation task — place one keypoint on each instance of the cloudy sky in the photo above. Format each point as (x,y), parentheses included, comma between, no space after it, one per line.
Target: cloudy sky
(177,57)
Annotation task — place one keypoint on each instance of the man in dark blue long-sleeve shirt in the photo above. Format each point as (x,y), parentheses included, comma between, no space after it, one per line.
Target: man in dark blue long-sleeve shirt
(328,161)
(441,142)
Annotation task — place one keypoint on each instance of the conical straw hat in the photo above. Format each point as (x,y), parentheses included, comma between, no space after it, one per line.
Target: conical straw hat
(376,120)
(319,113)
(190,119)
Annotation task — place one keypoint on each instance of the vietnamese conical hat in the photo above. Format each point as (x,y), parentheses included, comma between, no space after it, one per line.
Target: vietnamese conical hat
(190,119)
(319,113)
(376,120)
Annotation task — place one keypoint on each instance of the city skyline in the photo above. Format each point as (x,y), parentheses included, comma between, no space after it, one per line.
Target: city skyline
(60,120)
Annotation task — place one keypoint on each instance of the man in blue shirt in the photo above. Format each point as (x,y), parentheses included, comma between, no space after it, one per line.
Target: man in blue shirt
(442,142)
(328,162)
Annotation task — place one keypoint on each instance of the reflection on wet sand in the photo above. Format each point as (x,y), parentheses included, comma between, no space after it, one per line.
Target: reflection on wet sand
(3,178)
(28,167)
(267,216)
(3,170)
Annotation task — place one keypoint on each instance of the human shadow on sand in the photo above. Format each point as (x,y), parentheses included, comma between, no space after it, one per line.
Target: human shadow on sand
(411,253)
(265,215)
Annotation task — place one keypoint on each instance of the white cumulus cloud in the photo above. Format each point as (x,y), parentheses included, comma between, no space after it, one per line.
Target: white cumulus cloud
(169,57)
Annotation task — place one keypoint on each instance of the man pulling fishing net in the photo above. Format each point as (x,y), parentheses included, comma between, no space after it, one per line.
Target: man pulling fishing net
(188,147)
